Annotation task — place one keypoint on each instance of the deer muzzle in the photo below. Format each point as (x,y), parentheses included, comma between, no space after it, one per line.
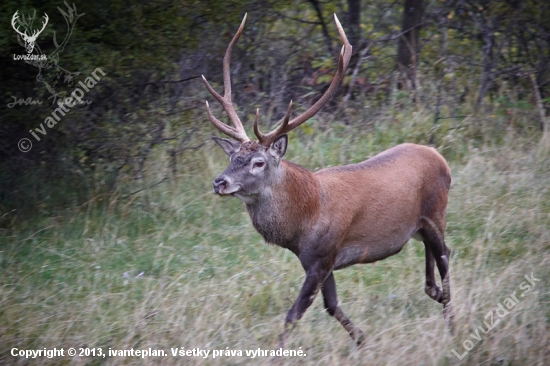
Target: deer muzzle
(222,186)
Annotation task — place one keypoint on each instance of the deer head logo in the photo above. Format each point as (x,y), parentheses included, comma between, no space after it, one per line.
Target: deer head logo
(27,24)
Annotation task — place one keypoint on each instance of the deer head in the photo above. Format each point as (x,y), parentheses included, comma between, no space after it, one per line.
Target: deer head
(29,40)
(254,164)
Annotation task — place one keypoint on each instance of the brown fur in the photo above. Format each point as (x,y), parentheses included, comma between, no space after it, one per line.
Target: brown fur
(286,215)
(358,213)
(340,216)
(249,147)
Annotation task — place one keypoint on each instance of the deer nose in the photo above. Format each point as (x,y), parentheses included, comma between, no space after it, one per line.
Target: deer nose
(220,184)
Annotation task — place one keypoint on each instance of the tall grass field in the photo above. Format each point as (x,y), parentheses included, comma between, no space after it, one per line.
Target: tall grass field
(174,267)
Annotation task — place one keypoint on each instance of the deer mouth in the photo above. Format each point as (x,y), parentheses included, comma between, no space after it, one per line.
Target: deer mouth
(226,191)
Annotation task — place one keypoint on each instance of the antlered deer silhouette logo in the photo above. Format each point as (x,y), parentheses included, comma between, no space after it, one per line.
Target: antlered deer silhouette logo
(50,73)
(27,25)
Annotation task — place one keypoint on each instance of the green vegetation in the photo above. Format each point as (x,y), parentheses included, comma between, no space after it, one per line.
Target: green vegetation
(110,236)
(174,265)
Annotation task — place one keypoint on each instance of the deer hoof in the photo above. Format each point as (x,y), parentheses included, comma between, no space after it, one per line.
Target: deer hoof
(359,337)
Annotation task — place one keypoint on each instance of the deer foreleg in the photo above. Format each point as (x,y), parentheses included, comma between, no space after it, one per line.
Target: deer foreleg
(331,304)
(315,276)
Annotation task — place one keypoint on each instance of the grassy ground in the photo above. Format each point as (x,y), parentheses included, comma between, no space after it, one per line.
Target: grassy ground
(175,266)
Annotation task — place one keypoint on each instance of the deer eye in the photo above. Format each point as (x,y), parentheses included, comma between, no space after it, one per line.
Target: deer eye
(259,164)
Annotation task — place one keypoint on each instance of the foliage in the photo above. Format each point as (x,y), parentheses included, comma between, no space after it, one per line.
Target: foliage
(151,99)
(175,266)
(110,237)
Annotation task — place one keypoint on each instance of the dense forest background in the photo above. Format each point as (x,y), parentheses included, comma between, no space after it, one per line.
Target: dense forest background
(451,59)
(110,236)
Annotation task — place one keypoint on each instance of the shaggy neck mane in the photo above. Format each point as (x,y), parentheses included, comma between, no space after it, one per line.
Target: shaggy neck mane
(301,189)
(286,209)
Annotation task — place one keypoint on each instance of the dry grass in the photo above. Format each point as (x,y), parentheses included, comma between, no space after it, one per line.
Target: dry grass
(178,267)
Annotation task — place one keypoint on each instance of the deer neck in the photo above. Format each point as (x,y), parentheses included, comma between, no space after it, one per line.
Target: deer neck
(283,210)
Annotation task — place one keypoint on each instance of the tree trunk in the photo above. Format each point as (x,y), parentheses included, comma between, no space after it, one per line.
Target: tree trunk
(354,22)
(408,47)
(317,7)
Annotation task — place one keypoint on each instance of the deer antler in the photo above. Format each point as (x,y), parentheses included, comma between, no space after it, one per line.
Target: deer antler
(36,33)
(29,40)
(238,131)
(13,20)
(287,125)
(70,17)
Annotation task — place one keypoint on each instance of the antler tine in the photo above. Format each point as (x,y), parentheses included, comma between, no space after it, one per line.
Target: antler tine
(44,23)
(265,139)
(16,28)
(256,130)
(37,32)
(238,131)
(239,135)
(343,62)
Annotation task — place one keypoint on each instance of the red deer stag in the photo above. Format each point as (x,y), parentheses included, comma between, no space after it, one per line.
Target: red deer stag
(340,216)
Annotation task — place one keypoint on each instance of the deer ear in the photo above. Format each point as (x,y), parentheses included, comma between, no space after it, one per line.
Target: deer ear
(229,146)
(278,147)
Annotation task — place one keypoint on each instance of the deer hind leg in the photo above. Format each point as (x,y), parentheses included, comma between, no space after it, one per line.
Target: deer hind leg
(438,252)
(431,288)
(331,305)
